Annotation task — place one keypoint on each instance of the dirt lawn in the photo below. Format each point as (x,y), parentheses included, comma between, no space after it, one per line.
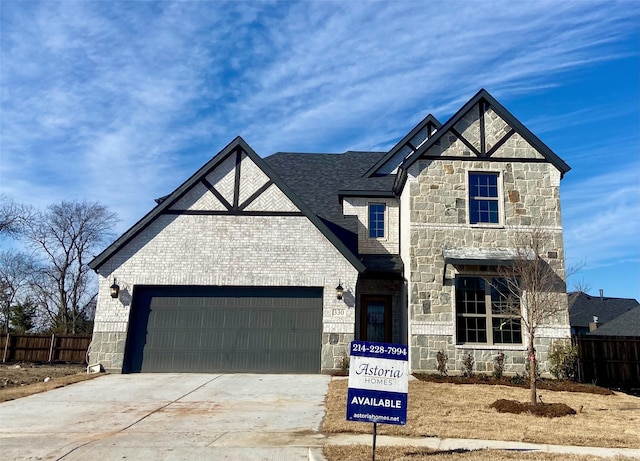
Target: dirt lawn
(363,453)
(462,411)
(21,379)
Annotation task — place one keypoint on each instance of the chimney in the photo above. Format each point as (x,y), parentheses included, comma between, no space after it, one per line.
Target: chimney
(593,325)
(601,294)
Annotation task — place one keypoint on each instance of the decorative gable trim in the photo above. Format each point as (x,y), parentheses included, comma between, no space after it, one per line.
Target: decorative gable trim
(406,146)
(231,199)
(476,139)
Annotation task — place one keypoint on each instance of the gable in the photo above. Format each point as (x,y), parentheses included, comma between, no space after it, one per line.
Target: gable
(405,147)
(482,133)
(236,185)
(484,129)
(236,182)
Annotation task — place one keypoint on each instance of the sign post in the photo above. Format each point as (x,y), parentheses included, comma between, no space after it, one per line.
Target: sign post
(378,384)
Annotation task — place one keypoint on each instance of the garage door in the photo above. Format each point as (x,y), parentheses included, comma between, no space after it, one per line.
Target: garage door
(225,329)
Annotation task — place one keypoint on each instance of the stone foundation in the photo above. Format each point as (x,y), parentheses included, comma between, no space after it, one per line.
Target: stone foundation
(335,350)
(424,350)
(107,349)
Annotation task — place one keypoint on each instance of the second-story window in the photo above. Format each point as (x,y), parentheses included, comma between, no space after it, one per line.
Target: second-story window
(483,198)
(376,220)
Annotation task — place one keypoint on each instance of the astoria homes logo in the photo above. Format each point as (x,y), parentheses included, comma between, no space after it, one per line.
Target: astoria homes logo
(375,374)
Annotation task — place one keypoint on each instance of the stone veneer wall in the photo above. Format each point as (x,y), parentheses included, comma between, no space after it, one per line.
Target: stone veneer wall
(226,250)
(436,198)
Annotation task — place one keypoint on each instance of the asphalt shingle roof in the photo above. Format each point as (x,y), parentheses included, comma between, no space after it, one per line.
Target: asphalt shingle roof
(627,324)
(317,178)
(582,308)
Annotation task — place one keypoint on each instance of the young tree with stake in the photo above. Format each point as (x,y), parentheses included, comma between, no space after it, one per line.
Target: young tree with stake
(534,289)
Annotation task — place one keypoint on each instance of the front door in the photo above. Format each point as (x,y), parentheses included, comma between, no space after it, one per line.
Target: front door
(375,321)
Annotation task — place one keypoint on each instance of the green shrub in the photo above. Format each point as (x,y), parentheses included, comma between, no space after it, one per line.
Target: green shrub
(518,379)
(498,365)
(468,362)
(442,359)
(563,360)
(344,365)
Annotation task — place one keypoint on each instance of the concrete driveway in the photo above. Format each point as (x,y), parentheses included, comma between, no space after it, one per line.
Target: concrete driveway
(169,417)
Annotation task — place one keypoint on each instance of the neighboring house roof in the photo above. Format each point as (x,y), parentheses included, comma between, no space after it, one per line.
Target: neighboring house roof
(582,308)
(516,126)
(627,324)
(166,203)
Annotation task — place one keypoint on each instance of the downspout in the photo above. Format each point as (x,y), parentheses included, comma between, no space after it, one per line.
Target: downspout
(402,175)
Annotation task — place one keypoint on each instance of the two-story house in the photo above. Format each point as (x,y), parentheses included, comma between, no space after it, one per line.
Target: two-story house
(276,264)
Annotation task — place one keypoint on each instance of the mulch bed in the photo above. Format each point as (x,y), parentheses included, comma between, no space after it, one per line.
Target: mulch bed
(541,384)
(548,410)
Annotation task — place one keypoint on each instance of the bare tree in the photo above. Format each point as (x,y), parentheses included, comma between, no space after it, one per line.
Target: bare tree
(581,286)
(16,271)
(65,236)
(533,289)
(13,216)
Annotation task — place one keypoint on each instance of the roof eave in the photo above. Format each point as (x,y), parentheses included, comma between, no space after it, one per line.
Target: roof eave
(238,142)
(366,193)
(429,119)
(506,116)
(138,227)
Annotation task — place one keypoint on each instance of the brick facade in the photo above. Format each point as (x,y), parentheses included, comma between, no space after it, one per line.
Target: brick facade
(226,250)
(359,207)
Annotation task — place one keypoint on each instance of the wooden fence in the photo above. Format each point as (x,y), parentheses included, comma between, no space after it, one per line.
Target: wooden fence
(610,361)
(44,348)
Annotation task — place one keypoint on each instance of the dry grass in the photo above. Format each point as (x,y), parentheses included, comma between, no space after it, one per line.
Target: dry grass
(454,411)
(13,393)
(363,453)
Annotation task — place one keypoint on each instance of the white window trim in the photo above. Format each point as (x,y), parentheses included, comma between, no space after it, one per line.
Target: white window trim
(500,174)
(496,347)
(385,236)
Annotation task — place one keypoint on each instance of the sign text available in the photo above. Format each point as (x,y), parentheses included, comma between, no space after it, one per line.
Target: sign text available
(378,383)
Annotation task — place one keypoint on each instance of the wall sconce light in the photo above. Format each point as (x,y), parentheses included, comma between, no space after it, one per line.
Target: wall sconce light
(114,289)
(339,290)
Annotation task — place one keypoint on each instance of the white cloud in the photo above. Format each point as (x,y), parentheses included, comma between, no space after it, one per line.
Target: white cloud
(121,101)
(601,215)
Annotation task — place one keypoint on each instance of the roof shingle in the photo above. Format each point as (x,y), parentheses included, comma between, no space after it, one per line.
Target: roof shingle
(582,308)
(317,178)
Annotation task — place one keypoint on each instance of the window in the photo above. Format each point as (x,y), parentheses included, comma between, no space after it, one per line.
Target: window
(376,220)
(483,198)
(485,311)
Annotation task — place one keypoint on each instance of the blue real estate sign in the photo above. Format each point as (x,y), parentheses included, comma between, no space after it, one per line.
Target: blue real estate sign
(378,383)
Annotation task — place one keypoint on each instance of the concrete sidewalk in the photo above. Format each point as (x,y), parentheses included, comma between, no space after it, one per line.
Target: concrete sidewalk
(439,444)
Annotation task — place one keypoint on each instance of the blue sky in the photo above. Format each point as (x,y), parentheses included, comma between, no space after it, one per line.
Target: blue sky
(120,102)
